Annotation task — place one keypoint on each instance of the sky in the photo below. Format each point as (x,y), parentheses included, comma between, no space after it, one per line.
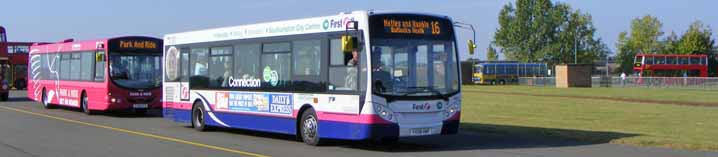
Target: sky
(51,21)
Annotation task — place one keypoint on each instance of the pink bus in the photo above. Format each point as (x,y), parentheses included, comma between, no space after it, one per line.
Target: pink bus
(121,73)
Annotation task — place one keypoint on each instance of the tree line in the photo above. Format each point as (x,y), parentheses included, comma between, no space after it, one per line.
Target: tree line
(645,36)
(555,33)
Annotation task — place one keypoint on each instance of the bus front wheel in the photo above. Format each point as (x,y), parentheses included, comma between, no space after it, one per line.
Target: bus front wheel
(309,128)
(198,117)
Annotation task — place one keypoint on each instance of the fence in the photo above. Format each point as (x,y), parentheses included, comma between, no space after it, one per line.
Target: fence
(707,83)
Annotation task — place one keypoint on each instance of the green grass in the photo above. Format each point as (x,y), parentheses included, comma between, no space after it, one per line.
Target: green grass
(664,94)
(592,120)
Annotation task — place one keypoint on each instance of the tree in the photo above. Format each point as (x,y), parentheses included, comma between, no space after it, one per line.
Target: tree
(491,54)
(539,30)
(697,40)
(670,44)
(644,38)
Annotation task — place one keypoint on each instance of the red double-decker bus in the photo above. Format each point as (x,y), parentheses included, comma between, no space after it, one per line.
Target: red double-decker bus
(4,66)
(648,64)
(97,75)
(17,60)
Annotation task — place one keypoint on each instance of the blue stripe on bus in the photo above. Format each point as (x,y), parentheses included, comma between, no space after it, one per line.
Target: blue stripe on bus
(327,129)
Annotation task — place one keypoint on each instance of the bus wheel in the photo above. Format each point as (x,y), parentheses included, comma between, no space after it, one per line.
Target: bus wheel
(502,82)
(309,128)
(84,105)
(493,82)
(198,117)
(45,103)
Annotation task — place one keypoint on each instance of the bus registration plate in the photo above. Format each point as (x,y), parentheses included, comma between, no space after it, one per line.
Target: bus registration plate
(139,106)
(420,131)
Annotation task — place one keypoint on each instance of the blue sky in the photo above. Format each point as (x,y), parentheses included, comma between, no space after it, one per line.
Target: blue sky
(43,20)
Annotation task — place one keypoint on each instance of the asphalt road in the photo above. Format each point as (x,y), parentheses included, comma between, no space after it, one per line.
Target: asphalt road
(28,130)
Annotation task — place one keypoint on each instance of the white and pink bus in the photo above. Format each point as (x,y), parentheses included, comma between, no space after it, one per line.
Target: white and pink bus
(353,76)
(97,75)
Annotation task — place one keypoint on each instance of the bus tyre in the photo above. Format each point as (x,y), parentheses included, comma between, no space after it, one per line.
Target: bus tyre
(198,121)
(84,103)
(493,82)
(502,82)
(45,103)
(309,128)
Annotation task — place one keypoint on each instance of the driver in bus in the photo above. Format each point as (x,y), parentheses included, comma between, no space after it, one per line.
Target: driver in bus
(119,70)
(350,81)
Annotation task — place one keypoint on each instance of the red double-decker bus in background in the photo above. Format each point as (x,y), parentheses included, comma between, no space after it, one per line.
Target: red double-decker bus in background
(4,87)
(121,73)
(17,53)
(648,64)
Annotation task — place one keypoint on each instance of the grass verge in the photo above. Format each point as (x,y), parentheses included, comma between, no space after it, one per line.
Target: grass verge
(594,120)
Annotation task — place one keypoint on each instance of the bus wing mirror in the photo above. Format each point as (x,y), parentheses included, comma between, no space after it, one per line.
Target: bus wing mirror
(471,46)
(348,43)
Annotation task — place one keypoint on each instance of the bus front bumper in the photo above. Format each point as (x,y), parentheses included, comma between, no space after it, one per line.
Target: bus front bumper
(353,131)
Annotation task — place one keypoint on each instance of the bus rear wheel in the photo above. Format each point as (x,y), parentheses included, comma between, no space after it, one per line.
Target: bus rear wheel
(310,128)
(198,121)
(46,103)
(84,103)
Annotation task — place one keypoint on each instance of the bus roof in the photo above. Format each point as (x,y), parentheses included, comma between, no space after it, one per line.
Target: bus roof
(520,64)
(268,29)
(279,28)
(71,46)
(671,55)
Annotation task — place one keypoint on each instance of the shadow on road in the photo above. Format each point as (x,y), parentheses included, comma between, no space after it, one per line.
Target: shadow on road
(473,136)
(19,96)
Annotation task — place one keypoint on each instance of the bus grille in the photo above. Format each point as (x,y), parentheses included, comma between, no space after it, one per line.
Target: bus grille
(169,93)
(140,100)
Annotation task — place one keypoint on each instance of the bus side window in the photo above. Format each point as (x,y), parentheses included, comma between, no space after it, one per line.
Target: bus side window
(199,67)
(184,65)
(87,61)
(307,65)
(220,66)
(246,61)
(276,66)
(342,76)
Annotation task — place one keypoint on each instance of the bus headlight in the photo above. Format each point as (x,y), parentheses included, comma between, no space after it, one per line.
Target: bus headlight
(384,112)
(451,110)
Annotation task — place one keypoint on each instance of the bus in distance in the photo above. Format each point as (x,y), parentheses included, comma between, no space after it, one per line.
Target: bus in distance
(506,73)
(362,75)
(120,73)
